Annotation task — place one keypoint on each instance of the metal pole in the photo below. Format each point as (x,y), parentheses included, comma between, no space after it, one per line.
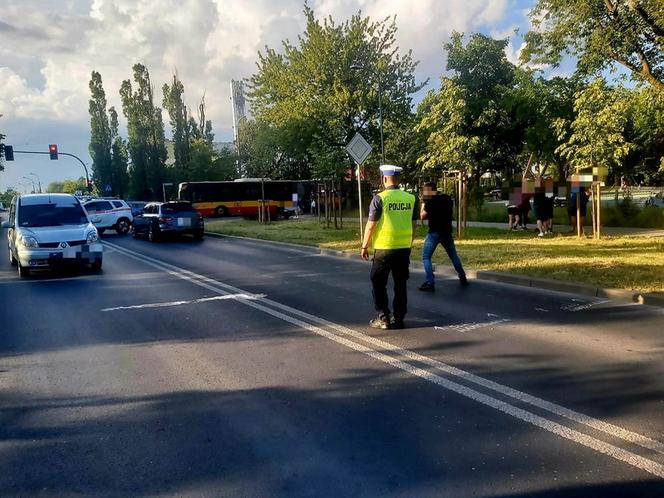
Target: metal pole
(163,189)
(359,203)
(32,182)
(380,117)
(38,181)
(599,210)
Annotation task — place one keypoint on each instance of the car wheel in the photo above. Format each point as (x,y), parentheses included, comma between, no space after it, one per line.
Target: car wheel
(122,226)
(198,235)
(23,272)
(153,234)
(221,211)
(134,233)
(12,260)
(96,265)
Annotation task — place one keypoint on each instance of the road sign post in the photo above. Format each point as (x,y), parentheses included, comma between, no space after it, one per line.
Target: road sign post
(359,149)
(163,188)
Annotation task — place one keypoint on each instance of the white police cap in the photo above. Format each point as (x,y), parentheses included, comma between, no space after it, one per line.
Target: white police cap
(390,170)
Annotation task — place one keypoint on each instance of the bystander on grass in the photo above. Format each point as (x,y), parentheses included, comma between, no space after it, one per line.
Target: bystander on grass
(635,263)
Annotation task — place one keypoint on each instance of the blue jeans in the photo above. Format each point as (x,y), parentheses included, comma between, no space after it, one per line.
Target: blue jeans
(430,245)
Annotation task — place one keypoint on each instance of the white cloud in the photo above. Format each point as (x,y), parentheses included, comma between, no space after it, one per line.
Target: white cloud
(55,44)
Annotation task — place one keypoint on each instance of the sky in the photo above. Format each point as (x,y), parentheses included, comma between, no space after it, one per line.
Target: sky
(48,48)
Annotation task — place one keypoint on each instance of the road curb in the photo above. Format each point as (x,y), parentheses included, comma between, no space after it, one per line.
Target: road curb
(619,295)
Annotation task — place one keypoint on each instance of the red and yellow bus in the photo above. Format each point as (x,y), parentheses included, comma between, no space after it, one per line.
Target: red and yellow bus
(242,197)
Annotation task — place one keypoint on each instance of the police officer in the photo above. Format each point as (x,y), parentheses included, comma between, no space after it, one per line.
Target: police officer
(390,230)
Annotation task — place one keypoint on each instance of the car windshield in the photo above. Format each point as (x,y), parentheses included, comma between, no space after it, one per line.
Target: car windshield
(177,207)
(50,215)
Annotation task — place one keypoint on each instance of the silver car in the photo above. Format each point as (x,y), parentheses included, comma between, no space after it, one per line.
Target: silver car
(48,230)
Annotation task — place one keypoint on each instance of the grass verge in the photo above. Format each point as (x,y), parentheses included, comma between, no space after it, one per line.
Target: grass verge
(634,263)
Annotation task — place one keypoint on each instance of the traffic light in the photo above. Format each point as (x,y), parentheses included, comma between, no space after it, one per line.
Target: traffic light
(53,151)
(9,152)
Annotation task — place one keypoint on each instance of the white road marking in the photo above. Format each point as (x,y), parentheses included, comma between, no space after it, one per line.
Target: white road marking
(467,327)
(180,303)
(633,459)
(581,307)
(543,310)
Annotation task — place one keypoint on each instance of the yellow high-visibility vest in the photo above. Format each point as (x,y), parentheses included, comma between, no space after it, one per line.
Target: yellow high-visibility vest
(395,226)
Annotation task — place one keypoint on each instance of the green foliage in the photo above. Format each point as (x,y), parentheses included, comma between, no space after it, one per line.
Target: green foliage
(177,110)
(600,33)
(647,132)
(67,186)
(311,99)
(146,142)
(100,132)
(597,136)
(467,121)
(206,164)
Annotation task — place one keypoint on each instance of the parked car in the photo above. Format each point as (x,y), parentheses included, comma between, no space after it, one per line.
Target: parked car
(136,207)
(47,230)
(163,218)
(656,200)
(113,213)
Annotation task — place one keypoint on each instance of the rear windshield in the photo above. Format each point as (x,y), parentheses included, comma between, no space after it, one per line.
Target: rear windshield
(177,207)
(51,215)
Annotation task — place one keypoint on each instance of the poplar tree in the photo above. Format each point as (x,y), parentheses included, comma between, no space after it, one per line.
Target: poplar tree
(100,134)
(146,142)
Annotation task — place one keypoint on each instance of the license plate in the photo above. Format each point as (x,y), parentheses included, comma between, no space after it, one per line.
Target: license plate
(184,222)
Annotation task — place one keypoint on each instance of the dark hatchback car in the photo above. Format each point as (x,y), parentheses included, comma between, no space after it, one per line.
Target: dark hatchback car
(168,218)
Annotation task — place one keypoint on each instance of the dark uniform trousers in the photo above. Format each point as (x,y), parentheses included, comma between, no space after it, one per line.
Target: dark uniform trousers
(386,261)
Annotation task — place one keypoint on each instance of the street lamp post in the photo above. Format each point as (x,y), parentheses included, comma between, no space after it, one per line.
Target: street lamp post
(380,106)
(38,181)
(31,181)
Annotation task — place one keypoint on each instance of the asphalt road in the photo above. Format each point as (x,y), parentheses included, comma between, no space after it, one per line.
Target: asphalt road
(236,368)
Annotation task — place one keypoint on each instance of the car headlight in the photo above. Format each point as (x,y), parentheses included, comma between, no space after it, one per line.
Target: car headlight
(92,237)
(28,241)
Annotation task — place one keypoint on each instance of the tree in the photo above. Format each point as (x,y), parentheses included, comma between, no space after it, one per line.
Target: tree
(316,102)
(600,33)
(646,161)
(100,133)
(72,186)
(597,132)
(179,118)
(467,122)
(119,158)
(536,103)
(55,187)
(146,142)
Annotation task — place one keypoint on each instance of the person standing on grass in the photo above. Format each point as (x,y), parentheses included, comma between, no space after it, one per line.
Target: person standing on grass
(540,209)
(571,209)
(438,209)
(390,230)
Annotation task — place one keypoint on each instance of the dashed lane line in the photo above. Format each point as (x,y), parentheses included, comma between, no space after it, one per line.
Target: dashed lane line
(180,303)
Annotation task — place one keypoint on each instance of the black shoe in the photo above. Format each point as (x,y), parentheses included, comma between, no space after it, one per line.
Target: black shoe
(397,324)
(379,323)
(427,287)
(463,281)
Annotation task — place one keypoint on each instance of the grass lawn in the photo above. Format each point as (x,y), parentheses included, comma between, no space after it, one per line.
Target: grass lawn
(635,263)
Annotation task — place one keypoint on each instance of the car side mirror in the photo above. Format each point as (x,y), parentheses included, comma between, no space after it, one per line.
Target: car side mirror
(96,219)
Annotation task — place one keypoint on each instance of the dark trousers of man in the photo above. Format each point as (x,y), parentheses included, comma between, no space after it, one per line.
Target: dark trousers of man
(396,262)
